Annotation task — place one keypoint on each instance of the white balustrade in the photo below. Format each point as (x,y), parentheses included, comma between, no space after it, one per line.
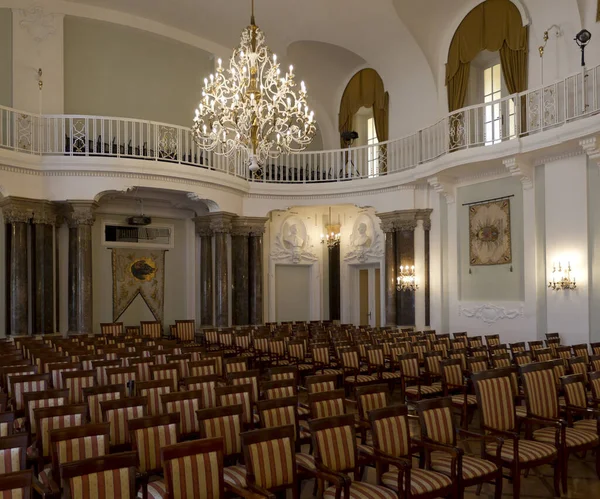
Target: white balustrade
(533,111)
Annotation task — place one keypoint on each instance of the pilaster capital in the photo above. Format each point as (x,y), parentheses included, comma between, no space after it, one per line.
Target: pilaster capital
(45,212)
(591,147)
(444,185)
(81,213)
(248,226)
(425,216)
(203,226)
(406,225)
(220,222)
(399,220)
(521,169)
(17,210)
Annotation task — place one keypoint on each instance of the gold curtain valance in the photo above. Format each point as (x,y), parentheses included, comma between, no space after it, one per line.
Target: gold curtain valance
(365,89)
(489,26)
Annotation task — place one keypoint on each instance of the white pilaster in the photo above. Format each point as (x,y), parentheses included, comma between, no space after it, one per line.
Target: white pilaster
(435,262)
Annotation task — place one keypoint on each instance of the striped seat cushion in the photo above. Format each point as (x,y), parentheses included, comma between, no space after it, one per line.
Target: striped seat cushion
(397,374)
(305,460)
(528,451)
(521,411)
(156,490)
(337,372)
(361,490)
(574,437)
(473,467)
(460,399)
(361,378)
(235,475)
(425,390)
(587,425)
(194,476)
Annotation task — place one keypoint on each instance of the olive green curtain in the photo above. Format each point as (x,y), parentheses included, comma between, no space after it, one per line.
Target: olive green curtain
(598,12)
(494,25)
(365,89)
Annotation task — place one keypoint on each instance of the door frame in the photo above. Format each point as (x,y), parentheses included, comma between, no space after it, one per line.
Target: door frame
(354,295)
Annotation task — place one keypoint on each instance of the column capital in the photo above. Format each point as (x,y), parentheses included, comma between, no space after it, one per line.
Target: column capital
(203,226)
(444,185)
(220,222)
(425,216)
(248,226)
(17,210)
(401,220)
(81,213)
(521,169)
(45,212)
(591,147)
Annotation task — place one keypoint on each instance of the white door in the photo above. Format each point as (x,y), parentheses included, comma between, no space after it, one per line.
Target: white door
(369,293)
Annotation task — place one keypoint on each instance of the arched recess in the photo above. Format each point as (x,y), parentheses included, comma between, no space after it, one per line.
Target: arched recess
(494,25)
(365,89)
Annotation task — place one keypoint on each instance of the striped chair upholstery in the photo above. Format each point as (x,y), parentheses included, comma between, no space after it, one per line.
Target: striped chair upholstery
(420,348)
(242,398)
(321,356)
(433,360)
(582,351)
(148,443)
(17,372)
(53,418)
(579,366)
(336,447)
(217,358)
(26,384)
(185,331)
(290,374)
(12,453)
(542,397)
(16,485)
(202,368)
(499,361)
(154,395)
(453,375)
(410,367)
(76,449)
(115,329)
(236,367)
(371,401)
(207,385)
(166,371)
(323,386)
(75,382)
(56,370)
(41,404)
(186,404)
(94,401)
(252,380)
(492,340)
(211,338)
(101,367)
(393,435)
(376,357)
(151,329)
(277,350)
(522,358)
(279,392)
(227,427)
(497,403)
(273,462)
(575,395)
(327,408)
(121,376)
(476,366)
(143,369)
(180,360)
(118,417)
(439,425)
(297,352)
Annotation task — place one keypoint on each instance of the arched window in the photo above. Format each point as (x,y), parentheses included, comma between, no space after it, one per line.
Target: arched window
(493,42)
(364,108)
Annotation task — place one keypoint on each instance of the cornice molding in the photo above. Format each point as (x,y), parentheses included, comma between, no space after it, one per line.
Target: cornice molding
(444,185)
(557,157)
(404,220)
(331,195)
(521,169)
(248,226)
(591,147)
(220,222)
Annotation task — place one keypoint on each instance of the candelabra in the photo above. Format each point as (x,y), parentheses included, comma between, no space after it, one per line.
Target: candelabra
(406,280)
(561,278)
(332,235)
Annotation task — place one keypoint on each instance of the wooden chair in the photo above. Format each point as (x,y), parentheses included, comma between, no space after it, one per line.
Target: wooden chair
(246,378)
(185,331)
(116,472)
(169,372)
(17,485)
(353,370)
(578,365)
(76,381)
(13,453)
(283,373)
(153,390)
(270,461)
(279,389)
(369,398)
(92,397)
(101,366)
(541,398)
(186,404)
(495,398)
(207,481)
(455,386)
(38,400)
(492,340)
(236,365)
(437,427)
(149,435)
(581,350)
(25,384)
(111,329)
(151,329)
(580,413)
(207,385)
(321,383)
(414,386)
(234,395)
(522,358)
(57,368)
(118,412)
(203,367)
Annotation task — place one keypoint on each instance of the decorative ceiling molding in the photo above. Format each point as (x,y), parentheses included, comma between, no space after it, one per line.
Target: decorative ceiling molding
(521,169)
(557,157)
(444,185)
(592,148)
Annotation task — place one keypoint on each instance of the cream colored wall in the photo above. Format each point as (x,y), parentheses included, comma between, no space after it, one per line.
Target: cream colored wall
(113,70)
(5,57)
(293,292)
(177,274)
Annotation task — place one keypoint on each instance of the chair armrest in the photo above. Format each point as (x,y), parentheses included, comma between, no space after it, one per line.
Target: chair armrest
(252,487)
(351,404)
(385,458)
(244,493)
(486,438)
(558,423)
(584,410)
(50,492)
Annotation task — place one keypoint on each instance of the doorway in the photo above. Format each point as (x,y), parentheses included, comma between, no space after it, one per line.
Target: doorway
(369,293)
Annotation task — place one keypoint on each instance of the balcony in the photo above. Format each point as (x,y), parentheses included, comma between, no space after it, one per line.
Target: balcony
(486,125)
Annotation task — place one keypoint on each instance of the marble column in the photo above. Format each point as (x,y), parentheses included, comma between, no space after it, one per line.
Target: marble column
(426,277)
(44,219)
(81,220)
(220,224)
(255,258)
(240,234)
(17,217)
(405,256)
(387,226)
(206,271)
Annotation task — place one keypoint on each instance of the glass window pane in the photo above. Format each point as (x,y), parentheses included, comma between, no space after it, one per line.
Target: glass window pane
(496,110)
(488,132)
(488,98)
(497,79)
(497,129)
(488,113)
(487,82)
(511,106)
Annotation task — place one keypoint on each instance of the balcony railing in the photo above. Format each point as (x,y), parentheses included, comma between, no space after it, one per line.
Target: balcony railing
(518,115)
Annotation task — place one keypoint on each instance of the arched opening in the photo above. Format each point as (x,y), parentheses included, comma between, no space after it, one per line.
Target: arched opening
(364,108)
(487,60)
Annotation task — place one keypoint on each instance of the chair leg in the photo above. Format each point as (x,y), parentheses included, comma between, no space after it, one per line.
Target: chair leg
(563,473)
(498,485)
(516,479)
(597,451)
(557,470)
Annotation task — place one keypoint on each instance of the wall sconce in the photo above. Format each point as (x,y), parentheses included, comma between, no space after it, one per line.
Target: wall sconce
(332,235)
(561,278)
(406,280)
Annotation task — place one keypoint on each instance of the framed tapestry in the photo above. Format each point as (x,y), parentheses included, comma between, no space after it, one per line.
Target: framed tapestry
(489,233)
(138,272)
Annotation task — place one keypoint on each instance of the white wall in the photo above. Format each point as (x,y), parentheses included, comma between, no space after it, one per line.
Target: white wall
(594,248)
(113,70)
(177,277)
(5,57)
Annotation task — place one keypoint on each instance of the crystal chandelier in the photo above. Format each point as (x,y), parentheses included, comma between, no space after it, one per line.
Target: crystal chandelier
(251,108)
(332,235)
(406,280)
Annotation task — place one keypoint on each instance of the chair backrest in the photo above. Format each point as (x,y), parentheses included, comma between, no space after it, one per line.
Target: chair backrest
(432,362)
(236,364)
(225,423)
(594,378)
(321,383)
(517,347)
(390,427)
(142,366)
(118,412)
(207,385)
(94,396)
(326,404)
(185,331)
(186,404)
(116,472)
(495,398)
(76,443)
(541,394)
(408,364)
(579,365)
(194,470)
(334,442)
(121,375)
(452,373)
(25,384)
(37,400)
(492,340)
(101,366)
(149,435)
(151,329)
(246,378)
(153,390)
(279,389)
(283,373)
(57,368)
(7,421)
(543,354)
(202,367)
(234,395)
(522,358)
(167,371)
(501,360)
(436,419)
(575,392)
(13,453)
(16,485)
(372,397)
(350,358)
(48,419)
(270,457)
(76,381)
(111,329)
(477,364)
